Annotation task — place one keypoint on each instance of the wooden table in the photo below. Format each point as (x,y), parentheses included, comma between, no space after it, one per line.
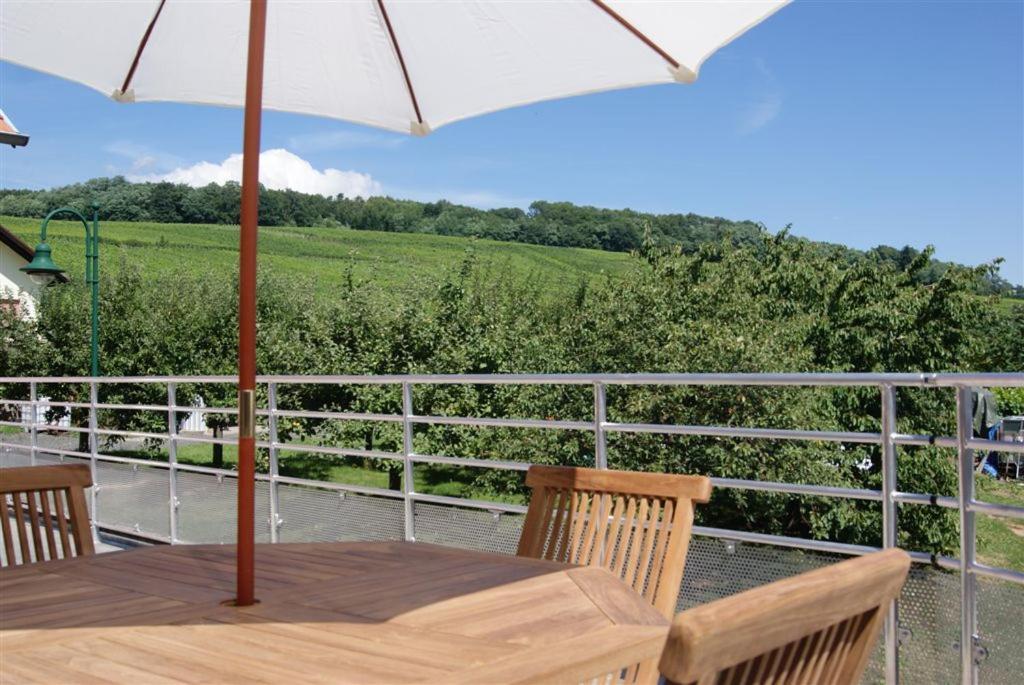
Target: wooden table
(386,612)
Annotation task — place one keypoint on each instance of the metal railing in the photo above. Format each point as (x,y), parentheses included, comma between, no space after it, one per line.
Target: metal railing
(888,439)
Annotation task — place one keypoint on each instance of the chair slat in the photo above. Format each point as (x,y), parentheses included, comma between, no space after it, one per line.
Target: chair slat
(51,541)
(5,530)
(37,531)
(19,519)
(38,498)
(62,523)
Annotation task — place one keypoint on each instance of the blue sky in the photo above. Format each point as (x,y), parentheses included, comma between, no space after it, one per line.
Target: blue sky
(857,122)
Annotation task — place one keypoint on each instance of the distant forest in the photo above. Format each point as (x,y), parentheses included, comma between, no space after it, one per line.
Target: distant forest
(543,223)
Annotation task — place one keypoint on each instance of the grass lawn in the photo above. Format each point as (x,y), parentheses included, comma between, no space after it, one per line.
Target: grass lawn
(1001,539)
(321,254)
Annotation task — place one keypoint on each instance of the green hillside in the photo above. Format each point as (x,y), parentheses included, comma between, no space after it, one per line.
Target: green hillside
(323,254)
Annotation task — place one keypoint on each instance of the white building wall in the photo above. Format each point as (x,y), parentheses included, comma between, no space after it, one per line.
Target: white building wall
(14,283)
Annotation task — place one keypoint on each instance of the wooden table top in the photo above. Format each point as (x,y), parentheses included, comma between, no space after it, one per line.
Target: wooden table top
(377,612)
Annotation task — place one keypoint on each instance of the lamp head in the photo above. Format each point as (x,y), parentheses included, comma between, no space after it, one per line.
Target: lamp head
(41,269)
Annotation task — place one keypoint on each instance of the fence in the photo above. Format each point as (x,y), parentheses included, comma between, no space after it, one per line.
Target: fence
(922,632)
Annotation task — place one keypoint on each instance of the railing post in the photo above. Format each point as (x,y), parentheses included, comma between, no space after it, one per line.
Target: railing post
(172,462)
(600,417)
(407,451)
(889,525)
(275,503)
(968,606)
(94,448)
(34,415)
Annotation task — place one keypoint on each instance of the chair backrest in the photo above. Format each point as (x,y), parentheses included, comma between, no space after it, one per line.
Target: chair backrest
(817,627)
(42,511)
(636,525)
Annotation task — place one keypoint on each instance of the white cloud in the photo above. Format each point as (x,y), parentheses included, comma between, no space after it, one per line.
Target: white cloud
(279,170)
(767,105)
(760,113)
(344,140)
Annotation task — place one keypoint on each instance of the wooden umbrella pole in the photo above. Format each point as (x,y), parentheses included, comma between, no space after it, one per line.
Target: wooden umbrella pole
(245,585)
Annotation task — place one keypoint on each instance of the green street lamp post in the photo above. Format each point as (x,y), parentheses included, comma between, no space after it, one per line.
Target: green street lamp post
(43,271)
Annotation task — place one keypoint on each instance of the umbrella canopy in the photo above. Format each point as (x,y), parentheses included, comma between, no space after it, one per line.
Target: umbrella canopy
(408,66)
(402,65)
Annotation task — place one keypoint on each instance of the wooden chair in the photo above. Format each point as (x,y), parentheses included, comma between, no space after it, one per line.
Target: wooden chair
(44,504)
(636,525)
(817,627)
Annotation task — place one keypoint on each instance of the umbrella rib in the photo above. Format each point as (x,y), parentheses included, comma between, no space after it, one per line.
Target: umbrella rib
(401,60)
(142,46)
(637,32)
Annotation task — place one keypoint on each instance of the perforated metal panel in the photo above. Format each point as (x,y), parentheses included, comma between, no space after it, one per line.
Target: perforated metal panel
(467,528)
(1001,627)
(320,515)
(207,506)
(132,497)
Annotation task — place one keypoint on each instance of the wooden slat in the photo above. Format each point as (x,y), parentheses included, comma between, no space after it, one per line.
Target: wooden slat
(37,531)
(51,541)
(5,531)
(19,521)
(81,530)
(62,523)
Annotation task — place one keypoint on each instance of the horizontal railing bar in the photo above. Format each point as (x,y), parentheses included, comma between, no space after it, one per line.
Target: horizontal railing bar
(739,432)
(101,456)
(924,440)
(22,403)
(132,434)
(470,461)
(995,445)
(784,541)
(55,450)
(751,379)
(132,407)
(797,489)
(207,441)
(205,410)
(15,424)
(340,451)
(331,415)
(847,379)
(340,487)
(1001,573)
(46,404)
(469,503)
(56,427)
(995,509)
(932,500)
(506,423)
(948,563)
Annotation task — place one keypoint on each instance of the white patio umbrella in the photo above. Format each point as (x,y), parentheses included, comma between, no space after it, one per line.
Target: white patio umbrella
(403,65)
